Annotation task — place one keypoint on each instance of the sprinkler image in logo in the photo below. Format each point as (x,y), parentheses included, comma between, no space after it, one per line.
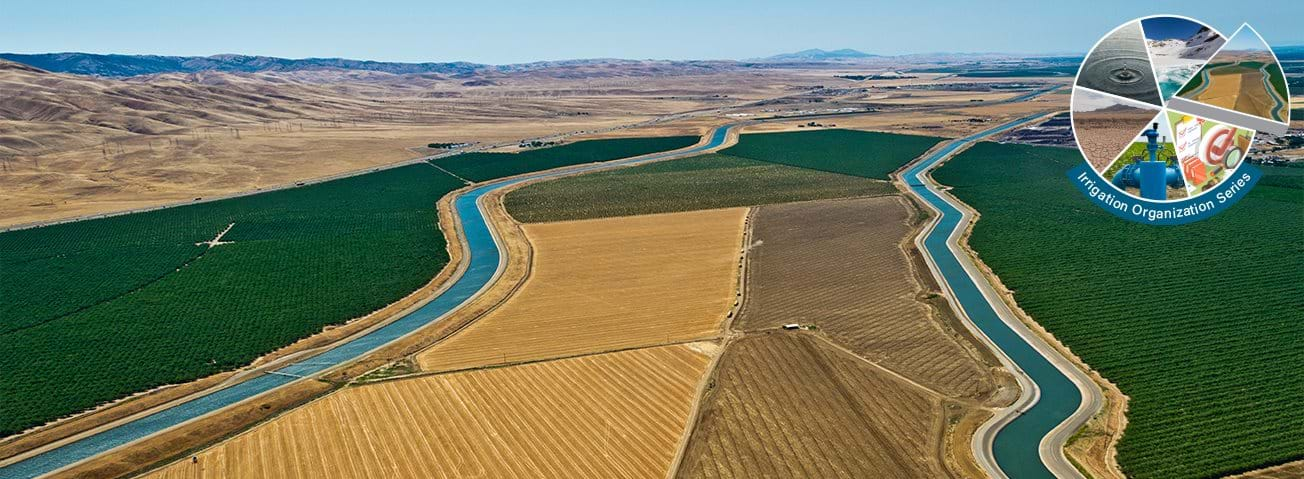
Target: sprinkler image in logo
(1165,110)
(1152,177)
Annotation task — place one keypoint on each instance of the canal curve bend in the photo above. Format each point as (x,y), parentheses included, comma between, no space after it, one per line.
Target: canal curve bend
(1026,439)
(485,264)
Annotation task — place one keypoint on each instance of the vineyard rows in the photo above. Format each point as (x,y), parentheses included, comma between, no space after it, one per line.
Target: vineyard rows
(1199,324)
(123,304)
(144,306)
(699,182)
(866,154)
(486,166)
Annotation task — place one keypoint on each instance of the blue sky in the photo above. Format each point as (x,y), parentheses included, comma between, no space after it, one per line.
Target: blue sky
(1164,28)
(1244,40)
(512,31)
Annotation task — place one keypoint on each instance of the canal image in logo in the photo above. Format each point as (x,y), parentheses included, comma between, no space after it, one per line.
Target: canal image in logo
(1164,110)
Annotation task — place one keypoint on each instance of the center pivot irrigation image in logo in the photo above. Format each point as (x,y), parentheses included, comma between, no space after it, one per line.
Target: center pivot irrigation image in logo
(1165,110)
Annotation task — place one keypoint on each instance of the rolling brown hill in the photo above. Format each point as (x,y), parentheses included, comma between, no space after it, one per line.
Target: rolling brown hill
(72,145)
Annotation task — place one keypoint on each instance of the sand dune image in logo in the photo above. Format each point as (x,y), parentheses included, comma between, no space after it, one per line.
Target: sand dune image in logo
(1244,77)
(1178,48)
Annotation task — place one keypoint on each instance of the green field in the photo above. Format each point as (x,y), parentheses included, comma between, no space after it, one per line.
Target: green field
(850,152)
(1167,153)
(487,166)
(1276,77)
(96,310)
(700,182)
(1199,324)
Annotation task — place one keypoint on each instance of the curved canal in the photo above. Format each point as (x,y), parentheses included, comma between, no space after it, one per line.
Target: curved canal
(1016,447)
(483,267)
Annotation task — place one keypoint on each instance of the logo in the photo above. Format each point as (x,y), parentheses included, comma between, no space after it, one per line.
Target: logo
(1165,110)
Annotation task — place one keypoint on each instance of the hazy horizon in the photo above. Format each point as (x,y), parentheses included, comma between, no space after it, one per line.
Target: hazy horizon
(795,50)
(522,32)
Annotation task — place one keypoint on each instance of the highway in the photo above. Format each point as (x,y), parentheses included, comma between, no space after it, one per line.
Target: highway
(485,264)
(1026,439)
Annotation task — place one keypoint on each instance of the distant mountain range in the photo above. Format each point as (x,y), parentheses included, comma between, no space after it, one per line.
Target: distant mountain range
(113,65)
(817,55)
(132,65)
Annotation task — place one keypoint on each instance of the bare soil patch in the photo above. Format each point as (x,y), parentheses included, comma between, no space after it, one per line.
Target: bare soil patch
(1103,135)
(840,266)
(790,405)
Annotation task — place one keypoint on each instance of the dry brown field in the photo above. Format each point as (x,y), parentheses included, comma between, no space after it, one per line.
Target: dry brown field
(74,145)
(1225,90)
(997,114)
(888,384)
(791,405)
(606,284)
(926,97)
(933,123)
(619,414)
(1103,135)
(1254,98)
(840,265)
(1290,470)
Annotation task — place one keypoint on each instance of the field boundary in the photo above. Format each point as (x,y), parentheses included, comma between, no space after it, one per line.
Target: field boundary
(1115,402)
(1053,456)
(729,133)
(727,336)
(458,268)
(454,246)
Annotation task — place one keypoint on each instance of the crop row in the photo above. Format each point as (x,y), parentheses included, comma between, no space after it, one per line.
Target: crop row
(866,154)
(487,166)
(1198,324)
(96,310)
(700,182)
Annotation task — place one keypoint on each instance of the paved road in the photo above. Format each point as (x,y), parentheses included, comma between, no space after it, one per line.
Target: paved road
(485,264)
(1025,440)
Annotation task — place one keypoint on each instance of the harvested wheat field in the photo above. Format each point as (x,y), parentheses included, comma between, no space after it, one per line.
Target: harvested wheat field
(792,405)
(840,265)
(606,284)
(1290,470)
(611,415)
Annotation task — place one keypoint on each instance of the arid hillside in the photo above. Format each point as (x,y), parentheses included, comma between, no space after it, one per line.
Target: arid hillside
(73,145)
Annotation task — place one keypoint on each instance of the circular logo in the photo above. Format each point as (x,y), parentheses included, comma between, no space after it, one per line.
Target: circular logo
(1165,109)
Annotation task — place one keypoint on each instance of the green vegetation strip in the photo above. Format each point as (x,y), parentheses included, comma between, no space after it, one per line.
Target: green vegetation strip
(487,166)
(96,310)
(700,182)
(1199,324)
(850,152)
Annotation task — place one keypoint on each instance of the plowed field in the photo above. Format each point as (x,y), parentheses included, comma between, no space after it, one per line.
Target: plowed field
(791,405)
(611,415)
(839,265)
(600,285)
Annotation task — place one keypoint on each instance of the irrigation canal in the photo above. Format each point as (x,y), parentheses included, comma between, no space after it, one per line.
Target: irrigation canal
(1015,447)
(483,267)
